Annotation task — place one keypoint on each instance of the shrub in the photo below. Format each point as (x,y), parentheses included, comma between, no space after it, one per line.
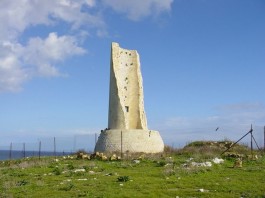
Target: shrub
(70,167)
(67,187)
(57,171)
(161,163)
(123,178)
(22,183)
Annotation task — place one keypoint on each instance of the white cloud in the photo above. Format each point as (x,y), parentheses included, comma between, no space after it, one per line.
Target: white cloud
(137,9)
(43,52)
(18,62)
(38,58)
(21,62)
(11,74)
(16,16)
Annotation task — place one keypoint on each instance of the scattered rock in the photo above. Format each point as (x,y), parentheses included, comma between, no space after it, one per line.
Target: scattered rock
(108,174)
(113,157)
(238,163)
(185,165)
(80,170)
(190,159)
(82,179)
(85,156)
(104,158)
(252,157)
(99,156)
(234,155)
(141,157)
(136,161)
(203,190)
(202,164)
(218,161)
(82,155)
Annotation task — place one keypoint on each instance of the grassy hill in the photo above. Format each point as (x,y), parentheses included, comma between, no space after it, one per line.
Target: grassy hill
(175,173)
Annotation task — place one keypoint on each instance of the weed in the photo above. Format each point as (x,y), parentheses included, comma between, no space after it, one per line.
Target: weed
(161,163)
(123,178)
(70,167)
(67,187)
(57,171)
(22,183)
(83,194)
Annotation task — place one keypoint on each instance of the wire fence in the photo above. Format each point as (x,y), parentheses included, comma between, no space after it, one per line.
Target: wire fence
(52,146)
(57,146)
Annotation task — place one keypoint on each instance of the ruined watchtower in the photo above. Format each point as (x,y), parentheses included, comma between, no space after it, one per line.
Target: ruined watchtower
(127,125)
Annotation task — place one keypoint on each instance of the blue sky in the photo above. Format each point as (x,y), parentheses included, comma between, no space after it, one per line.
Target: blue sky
(202,61)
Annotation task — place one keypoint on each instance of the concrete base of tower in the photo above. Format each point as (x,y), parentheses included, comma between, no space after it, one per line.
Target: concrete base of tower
(133,140)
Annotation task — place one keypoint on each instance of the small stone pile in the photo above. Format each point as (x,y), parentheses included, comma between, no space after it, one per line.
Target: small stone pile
(98,156)
(82,155)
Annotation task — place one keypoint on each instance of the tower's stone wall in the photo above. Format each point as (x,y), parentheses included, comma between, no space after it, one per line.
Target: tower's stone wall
(133,140)
(126,103)
(127,125)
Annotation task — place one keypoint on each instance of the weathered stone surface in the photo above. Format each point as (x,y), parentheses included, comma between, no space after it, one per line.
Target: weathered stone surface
(135,141)
(127,125)
(126,101)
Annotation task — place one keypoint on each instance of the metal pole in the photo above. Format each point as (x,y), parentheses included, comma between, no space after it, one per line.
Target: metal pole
(39,149)
(74,142)
(237,141)
(121,144)
(256,143)
(251,142)
(264,140)
(54,146)
(10,151)
(24,150)
(95,139)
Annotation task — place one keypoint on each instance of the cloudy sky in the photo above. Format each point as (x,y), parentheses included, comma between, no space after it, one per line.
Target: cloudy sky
(203,66)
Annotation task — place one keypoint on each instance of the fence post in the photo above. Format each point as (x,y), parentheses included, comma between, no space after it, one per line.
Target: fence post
(24,150)
(39,149)
(54,147)
(95,139)
(121,146)
(74,143)
(10,151)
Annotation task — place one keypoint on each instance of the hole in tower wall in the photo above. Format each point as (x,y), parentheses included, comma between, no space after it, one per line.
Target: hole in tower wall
(127,108)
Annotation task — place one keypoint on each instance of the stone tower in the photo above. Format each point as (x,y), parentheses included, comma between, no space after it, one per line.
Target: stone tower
(127,125)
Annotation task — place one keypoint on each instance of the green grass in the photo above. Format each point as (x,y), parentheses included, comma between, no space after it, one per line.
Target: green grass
(152,177)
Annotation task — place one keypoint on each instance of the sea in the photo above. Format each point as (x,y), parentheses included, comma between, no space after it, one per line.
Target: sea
(7,155)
